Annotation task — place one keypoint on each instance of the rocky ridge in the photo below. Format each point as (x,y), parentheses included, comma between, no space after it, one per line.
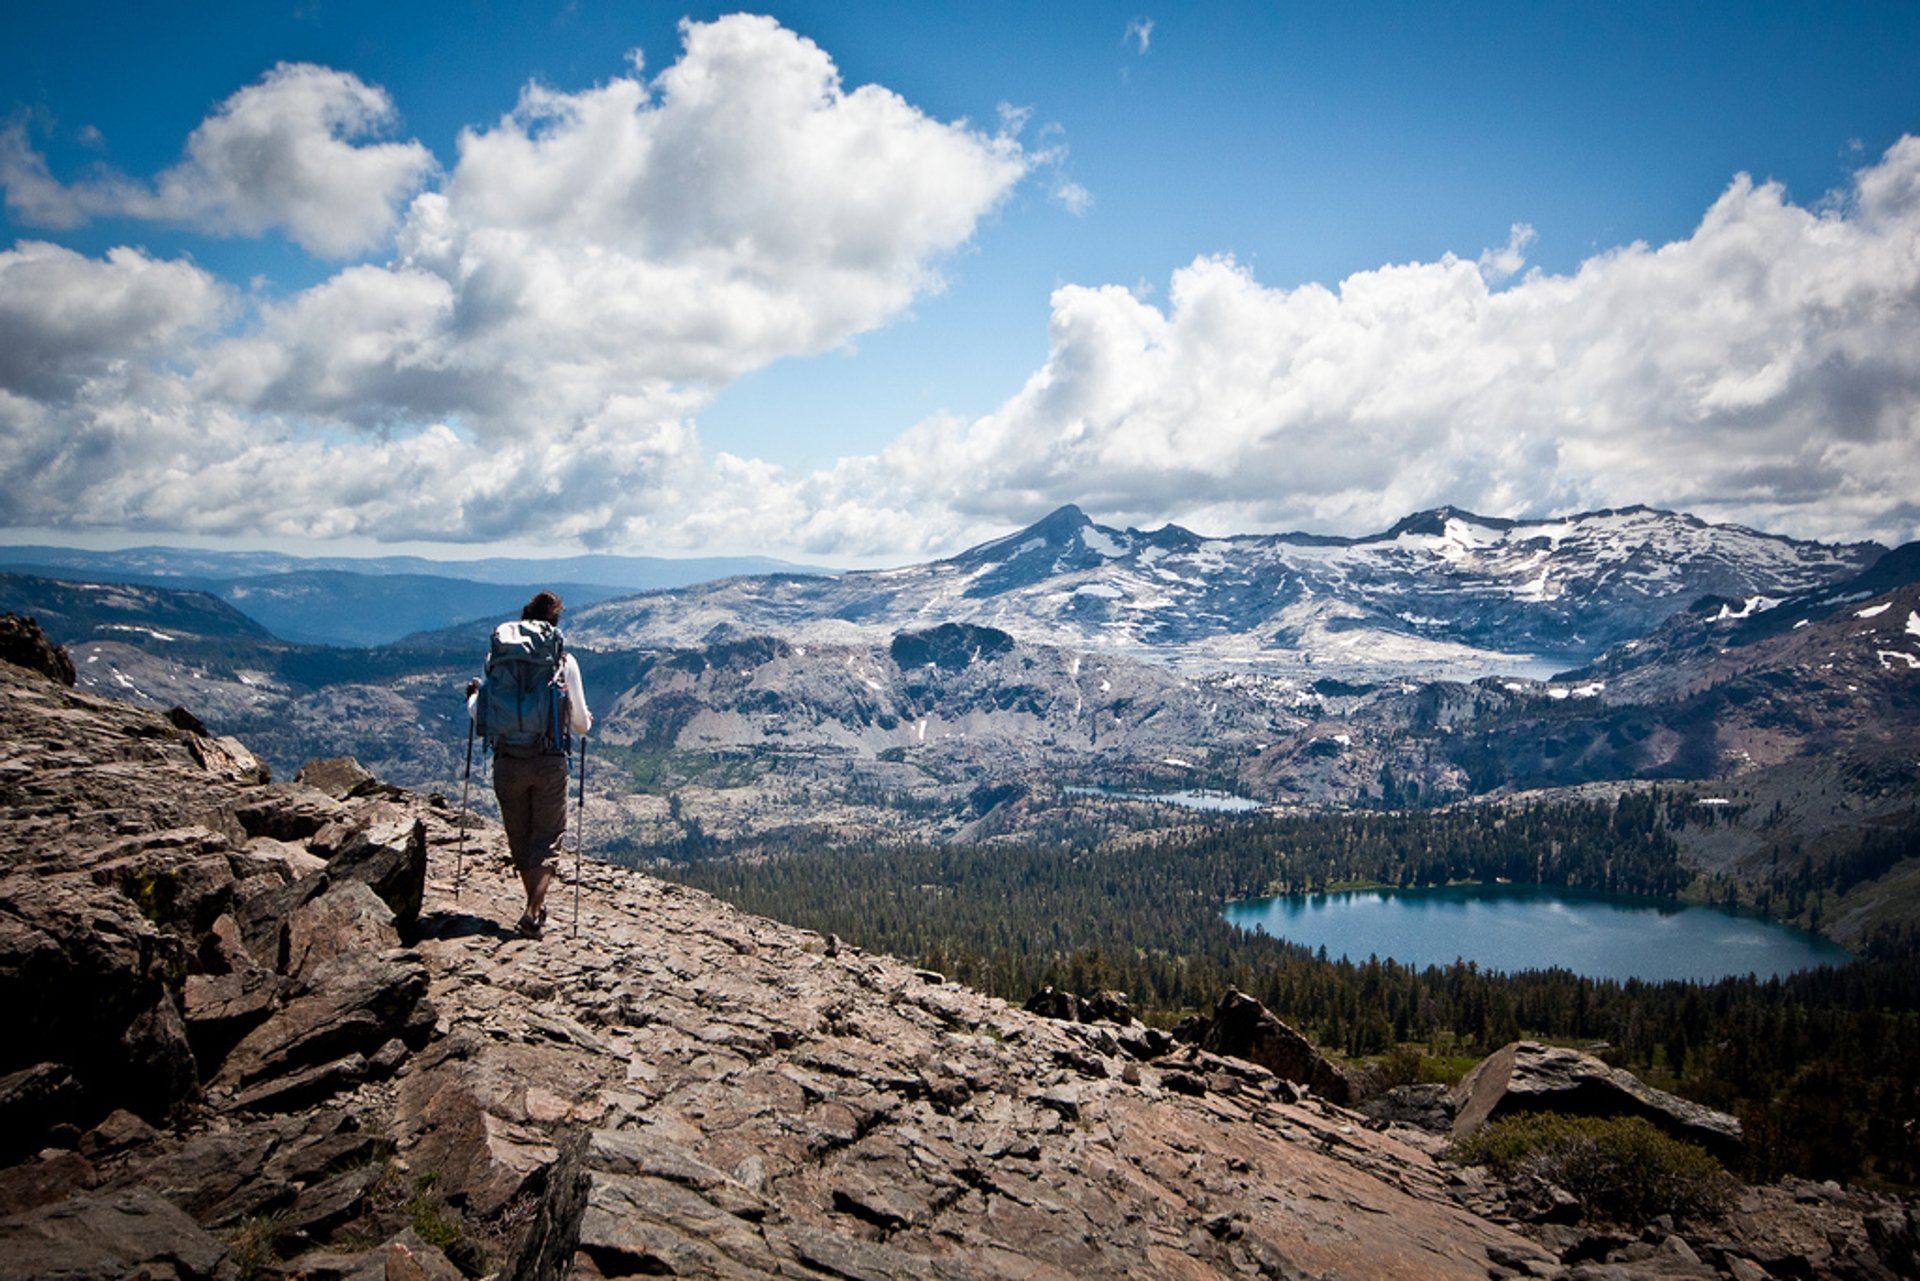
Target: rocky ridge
(347,1066)
(1442,594)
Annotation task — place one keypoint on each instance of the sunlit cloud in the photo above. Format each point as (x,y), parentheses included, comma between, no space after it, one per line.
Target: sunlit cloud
(280,155)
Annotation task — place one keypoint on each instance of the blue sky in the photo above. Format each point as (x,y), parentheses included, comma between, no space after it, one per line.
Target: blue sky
(919,273)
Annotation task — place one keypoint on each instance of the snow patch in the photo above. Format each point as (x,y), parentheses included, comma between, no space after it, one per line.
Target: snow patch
(1874,611)
(144,631)
(1101,590)
(1754,605)
(1887,657)
(1913,622)
(1802,623)
(1590,690)
(1098,541)
(1176,762)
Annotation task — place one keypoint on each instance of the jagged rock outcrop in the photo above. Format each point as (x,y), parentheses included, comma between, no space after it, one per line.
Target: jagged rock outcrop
(155,944)
(1244,1028)
(23,644)
(1527,1076)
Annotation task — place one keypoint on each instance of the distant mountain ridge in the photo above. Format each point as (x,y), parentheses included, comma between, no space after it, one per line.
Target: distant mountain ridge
(339,600)
(1443,593)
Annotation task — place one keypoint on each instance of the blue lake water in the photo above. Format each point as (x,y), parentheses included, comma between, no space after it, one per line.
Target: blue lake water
(1218,802)
(1529,927)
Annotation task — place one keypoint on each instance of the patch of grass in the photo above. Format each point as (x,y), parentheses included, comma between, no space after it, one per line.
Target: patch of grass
(435,1223)
(1622,1169)
(401,1197)
(1411,1065)
(253,1244)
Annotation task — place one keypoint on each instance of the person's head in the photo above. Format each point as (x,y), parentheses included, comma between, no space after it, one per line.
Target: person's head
(545,607)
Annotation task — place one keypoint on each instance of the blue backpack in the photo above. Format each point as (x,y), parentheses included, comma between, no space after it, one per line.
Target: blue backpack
(521,710)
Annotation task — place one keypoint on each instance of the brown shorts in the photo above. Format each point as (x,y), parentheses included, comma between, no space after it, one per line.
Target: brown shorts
(532,791)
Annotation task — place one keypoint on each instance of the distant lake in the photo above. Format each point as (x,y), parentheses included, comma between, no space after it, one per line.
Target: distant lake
(1192,799)
(1530,927)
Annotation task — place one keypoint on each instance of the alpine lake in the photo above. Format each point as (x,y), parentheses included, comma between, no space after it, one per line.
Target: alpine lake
(1530,927)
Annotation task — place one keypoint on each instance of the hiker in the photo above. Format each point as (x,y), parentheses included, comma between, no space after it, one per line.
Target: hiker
(526,709)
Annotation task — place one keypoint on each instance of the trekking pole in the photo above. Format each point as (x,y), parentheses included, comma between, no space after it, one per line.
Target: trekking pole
(579,835)
(466,785)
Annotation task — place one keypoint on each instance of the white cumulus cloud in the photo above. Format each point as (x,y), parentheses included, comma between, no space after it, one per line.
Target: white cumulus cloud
(278,155)
(586,275)
(64,316)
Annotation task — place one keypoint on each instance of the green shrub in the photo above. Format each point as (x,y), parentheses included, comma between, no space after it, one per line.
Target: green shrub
(1622,1169)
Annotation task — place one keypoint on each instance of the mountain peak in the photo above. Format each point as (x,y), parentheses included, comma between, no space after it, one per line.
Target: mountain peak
(1434,521)
(1059,524)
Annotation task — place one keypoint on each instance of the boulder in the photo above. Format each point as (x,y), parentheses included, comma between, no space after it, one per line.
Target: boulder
(1527,1076)
(32,1099)
(1427,1107)
(349,917)
(128,1233)
(85,980)
(1051,1003)
(1245,1029)
(338,776)
(389,856)
(355,1004)
(1069,1007)
(449,1121)
(53,1175)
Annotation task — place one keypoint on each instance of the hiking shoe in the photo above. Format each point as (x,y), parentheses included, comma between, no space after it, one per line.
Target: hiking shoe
(528,927)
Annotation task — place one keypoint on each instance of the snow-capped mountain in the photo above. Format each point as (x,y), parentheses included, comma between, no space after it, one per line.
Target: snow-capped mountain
(1443,593)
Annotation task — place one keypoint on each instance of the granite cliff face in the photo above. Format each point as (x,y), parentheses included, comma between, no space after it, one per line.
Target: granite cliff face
(281,1029)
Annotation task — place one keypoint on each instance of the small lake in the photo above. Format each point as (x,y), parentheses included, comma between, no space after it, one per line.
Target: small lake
(1531,927)
(1194,799)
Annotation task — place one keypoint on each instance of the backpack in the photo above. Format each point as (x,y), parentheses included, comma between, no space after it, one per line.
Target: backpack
(521,710)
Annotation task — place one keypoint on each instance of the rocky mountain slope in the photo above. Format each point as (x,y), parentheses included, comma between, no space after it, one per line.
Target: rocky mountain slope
(1442,594)
(202,958)
(279,1030)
